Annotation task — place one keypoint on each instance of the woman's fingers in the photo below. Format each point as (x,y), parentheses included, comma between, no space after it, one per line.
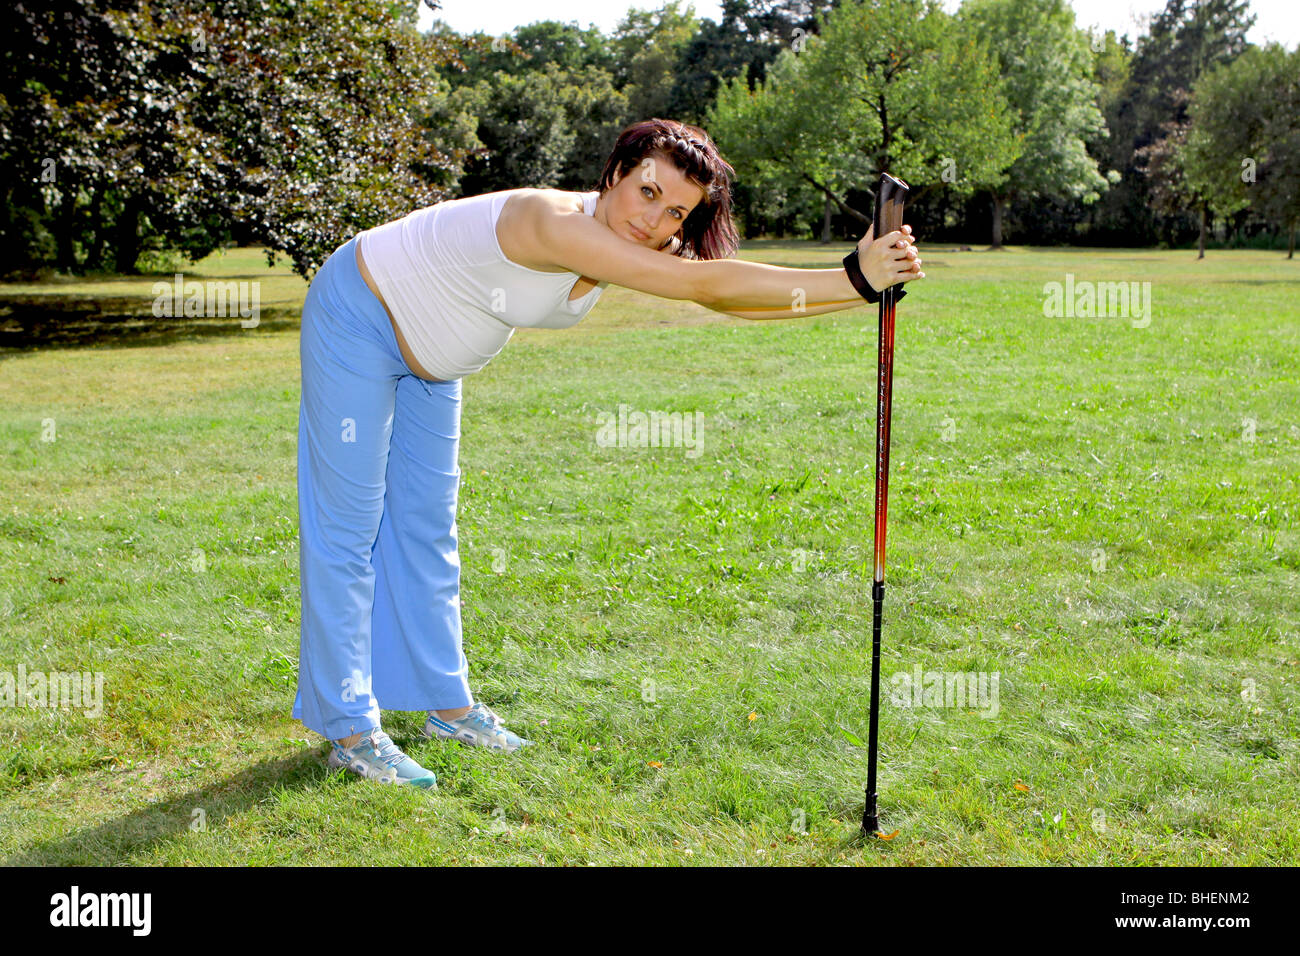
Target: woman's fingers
(909,267)
(895,238)
(899,242)
(905,275)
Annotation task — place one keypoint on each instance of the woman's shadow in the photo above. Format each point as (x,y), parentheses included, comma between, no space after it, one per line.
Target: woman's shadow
(115,842)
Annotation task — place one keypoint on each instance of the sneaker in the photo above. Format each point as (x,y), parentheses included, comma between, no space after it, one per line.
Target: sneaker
(479,728)
(376,757)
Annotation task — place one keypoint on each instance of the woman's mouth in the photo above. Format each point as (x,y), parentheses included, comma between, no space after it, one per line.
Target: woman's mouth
(637,233)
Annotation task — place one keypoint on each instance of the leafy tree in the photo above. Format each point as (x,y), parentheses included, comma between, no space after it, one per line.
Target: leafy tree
(548,128)
(480,56)
(1243,143)
(566,45)
(748,39)
(889,85)
(1162,163)
(97,133)
(1046,67)
(647,47)
(1279,164)
(1186,38)
(326,106)
(1112,59)
(182,123)
(757,132)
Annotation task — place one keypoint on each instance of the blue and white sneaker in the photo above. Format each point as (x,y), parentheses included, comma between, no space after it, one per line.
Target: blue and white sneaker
(480,727)
(376,757)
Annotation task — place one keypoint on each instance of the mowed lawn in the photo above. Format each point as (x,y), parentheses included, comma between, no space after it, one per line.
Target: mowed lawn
(1095,517)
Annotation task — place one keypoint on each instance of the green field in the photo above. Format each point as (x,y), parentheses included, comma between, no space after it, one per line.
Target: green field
(1101,512)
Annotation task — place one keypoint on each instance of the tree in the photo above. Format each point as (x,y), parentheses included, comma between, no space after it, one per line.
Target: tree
(323,106)
(889,86)
(1162,162)
(1243,143)
(647,47)
(547,128)
(1279,164)
(567,45)
(744,43)
(757,132)
(1046,67)
(183,122)
(97,132)
(1186,38)
(480,56)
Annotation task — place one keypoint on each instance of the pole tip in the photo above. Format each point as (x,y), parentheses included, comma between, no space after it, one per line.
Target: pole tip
(870,817)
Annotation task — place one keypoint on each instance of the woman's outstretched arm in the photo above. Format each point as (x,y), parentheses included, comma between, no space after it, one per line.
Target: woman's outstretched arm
(552,232)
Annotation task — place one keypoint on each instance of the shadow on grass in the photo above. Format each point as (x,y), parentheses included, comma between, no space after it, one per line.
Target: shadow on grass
(31,323)
(115,841)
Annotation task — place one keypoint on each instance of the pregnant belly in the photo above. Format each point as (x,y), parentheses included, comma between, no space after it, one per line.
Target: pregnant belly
(407,357)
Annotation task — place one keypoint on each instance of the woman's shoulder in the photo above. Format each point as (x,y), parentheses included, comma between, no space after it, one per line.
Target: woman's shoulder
(527,208)
(546,200)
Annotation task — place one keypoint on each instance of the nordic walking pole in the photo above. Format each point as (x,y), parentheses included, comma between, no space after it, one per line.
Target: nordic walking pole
(888,218)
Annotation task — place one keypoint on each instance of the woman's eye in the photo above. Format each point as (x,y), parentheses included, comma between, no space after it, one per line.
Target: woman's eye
(648,191)
(677,213)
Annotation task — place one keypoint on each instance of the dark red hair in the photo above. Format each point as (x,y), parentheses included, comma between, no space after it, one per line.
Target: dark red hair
(708,232)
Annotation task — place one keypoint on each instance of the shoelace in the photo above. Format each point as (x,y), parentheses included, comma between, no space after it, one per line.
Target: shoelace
(385,749)
(484,717)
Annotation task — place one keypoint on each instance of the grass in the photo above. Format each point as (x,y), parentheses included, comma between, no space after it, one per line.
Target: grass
(1103,515)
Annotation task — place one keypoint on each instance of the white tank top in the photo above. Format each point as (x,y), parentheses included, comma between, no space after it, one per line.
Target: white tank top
(453,293)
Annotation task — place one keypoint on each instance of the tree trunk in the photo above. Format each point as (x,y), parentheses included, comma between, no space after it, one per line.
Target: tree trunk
(1290,247)
(126,244)
(826,222)
(66,256)
(1200,246)
(95,253)
(997,222)
(839,203)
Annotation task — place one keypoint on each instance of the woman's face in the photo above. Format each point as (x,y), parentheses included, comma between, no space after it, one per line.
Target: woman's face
(650,203)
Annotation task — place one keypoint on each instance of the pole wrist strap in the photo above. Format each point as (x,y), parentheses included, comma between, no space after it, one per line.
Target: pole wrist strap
(865,289)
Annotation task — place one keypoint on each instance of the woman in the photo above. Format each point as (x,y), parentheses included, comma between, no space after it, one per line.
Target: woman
(395,319)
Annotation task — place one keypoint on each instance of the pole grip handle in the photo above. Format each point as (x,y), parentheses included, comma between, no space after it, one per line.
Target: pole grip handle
(890,199)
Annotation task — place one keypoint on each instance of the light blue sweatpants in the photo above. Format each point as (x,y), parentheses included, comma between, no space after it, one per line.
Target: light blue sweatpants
(377,483)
